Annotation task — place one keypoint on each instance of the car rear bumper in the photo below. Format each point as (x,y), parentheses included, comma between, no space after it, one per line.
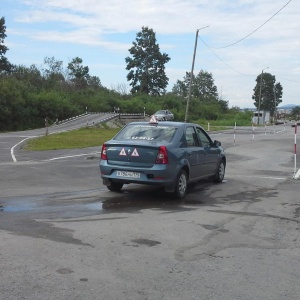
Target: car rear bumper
(157,175)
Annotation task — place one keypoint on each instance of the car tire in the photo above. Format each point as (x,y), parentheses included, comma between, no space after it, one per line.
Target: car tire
(115,186)
(220,172)
(181,185)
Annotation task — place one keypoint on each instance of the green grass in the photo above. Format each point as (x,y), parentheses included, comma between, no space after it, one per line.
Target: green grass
(81,138)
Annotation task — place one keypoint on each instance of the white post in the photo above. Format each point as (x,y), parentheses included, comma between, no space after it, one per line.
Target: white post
(234,133)
(265,128)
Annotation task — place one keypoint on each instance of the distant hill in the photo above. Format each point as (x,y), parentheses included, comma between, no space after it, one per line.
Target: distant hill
(288,106)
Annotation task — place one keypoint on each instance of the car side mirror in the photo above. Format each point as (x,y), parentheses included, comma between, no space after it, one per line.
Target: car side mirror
(217,143)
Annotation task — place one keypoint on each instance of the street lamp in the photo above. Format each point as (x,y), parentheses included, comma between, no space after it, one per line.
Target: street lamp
(191,78)
(259,99)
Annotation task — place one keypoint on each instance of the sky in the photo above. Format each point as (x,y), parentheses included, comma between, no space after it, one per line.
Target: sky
(237,40)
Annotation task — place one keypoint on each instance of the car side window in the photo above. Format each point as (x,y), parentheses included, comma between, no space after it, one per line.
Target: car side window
(191,137)
(204,138)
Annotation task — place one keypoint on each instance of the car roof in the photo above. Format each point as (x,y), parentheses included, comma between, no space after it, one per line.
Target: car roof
(162,111)
(164,123)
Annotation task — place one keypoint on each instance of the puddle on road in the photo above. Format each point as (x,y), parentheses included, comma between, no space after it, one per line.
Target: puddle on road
(17,208)
(31,206)
(77,204)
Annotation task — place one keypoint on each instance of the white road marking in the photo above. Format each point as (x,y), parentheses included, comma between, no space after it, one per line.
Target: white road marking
(71,156)
(260,177)
(13,148)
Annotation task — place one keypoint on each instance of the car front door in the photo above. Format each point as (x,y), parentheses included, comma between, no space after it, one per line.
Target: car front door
(211,153)
(196,154)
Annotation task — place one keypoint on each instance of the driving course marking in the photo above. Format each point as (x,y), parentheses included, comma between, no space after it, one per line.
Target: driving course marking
(13,148)
(70,156)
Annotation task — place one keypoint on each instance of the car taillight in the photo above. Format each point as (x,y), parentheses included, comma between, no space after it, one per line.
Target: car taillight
(103,152)
(162,156)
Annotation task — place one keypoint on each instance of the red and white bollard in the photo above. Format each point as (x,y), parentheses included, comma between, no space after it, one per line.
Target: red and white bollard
(296,175)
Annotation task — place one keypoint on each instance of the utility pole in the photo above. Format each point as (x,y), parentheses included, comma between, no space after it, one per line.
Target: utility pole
(259,99)
(274,89)
(191,78)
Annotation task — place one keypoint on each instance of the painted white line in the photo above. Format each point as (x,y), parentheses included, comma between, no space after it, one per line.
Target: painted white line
(266,177)
(297,175)
(70,156)
(13,148)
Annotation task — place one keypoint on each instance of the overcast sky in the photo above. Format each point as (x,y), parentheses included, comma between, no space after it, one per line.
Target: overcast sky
(243,38)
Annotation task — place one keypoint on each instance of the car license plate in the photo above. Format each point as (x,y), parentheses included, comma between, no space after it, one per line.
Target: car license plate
(128,174)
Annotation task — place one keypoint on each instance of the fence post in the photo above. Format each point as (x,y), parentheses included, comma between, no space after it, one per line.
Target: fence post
(46,125)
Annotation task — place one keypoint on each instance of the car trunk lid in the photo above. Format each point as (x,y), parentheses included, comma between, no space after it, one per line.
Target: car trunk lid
(135,155)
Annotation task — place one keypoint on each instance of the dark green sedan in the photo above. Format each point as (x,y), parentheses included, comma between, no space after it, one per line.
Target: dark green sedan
(167,154)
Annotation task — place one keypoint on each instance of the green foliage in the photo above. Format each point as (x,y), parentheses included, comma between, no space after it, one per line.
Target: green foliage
(267,94)
(229,120)
(147,65)
(12,114)
(203,86)
(3,48)
(78,73)
(295,114)
(4,63)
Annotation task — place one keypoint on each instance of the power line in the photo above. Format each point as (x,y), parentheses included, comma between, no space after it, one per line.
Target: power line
(288,80)
(255,29)
(227,65)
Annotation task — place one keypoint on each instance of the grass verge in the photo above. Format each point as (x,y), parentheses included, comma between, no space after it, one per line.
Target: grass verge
(81,138)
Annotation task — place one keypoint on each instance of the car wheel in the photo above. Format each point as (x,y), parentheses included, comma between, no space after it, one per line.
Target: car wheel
(181,185)
(115,186)
(220,172)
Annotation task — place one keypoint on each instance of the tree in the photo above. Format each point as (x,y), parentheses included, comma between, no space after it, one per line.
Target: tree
(94,82)
(267,93)
(4,64)
(296,113)
(29,75)
(203,86)
(147,67)
(53,72)
(79,74)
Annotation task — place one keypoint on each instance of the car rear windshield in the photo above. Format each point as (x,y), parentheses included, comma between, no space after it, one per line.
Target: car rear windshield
(147,133)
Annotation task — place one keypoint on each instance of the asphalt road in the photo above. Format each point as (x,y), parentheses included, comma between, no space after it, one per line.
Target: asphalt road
(65,236)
